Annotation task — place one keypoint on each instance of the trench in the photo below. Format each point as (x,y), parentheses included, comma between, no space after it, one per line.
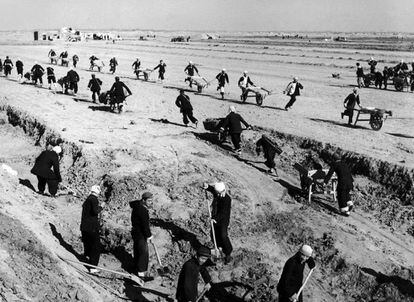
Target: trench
(349,281)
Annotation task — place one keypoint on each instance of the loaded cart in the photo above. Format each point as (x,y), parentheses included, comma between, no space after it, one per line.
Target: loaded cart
(259,93)
(376,116)
(213,125)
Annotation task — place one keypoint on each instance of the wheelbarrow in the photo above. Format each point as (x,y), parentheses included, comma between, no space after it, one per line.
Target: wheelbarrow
(213,125)
(198,81)
(145,73)
(257,92)
(376,118)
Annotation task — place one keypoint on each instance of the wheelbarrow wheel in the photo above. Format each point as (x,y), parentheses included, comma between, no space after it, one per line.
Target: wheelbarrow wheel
(398,85)
(199,88)
(376,122)
(146,76)
(259,99)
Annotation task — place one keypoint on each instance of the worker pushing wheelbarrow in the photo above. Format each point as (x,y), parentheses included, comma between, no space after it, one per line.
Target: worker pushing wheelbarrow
(376,118)
(251,90)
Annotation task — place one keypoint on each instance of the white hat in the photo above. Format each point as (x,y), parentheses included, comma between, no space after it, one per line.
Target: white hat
(295,78)
(96,189)
(219,187)
(224,69)
(402,61)
(306,250)
(57,149)
(245,71)
(35,62)
(232,109)
(372,58)
(190,62)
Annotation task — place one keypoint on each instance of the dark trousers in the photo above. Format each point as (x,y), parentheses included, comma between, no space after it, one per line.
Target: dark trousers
(291,101)
(52,185)
(73,86)
(20,71)
(94,94)
(188,115)
(343,197)
(75,63)
(36,77)
(51,79)
(350,113)
(270,162)
(7,70)
(161,75)
(236,139)
(91,247)
(222,238)
(141,256)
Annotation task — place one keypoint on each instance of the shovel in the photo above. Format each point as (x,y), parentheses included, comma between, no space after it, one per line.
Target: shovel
(131,277)
(303,285)
(163,269)
(217,251)
(202,294)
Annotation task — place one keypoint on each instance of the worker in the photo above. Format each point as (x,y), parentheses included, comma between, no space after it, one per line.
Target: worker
(64,58)
(72,78)
(372,64)
(187,286)
(95,86)
(42,168)
(112,65)
(292,275)
(37,73)
(52,55)
(90,228)
(220,215)
(401,68)
(244,83)
(19,68)
(75,60)
(117,91)
(292,90)
(161,70)
(141,234)
(1,66)
(191,69)
(8,66)
(51,78)
(92,60)
(233,122)
(270,149)
(222,78)
(360,75)
(350,101)
(345,183)
(136,65)
(386,73)
(183,102)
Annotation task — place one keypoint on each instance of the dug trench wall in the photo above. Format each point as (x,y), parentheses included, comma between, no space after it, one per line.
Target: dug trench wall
(180,233)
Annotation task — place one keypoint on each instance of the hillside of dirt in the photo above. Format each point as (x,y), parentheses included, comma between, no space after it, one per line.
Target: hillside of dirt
(365,257)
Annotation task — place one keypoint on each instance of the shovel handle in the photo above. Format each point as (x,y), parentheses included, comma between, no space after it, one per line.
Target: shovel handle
(156,253)
(211,224)
(304,283)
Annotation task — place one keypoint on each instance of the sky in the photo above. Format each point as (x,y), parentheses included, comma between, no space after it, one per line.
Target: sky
(213,15)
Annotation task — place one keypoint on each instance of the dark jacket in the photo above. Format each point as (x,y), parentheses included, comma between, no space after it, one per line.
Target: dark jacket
(190,69)
(136,64)
(19,65)
(221,207)
(372,64)
(161,67)
(222,78)
(351,100)
(292,275)
(7,62)
(139,220)
(249,82)
(183,102)
(270,148)
(95,84)
(72,76)
(296,92)
(113,62)
(188,280)
(343,172)
(37,70)
(90,212)
(43,164)
(118,89)
(233,122)
(50,71)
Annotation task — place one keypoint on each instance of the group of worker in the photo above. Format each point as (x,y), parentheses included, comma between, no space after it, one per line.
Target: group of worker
(47,170)
(381,77)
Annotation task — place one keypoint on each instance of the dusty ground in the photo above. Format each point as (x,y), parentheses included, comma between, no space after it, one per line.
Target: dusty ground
(366,257)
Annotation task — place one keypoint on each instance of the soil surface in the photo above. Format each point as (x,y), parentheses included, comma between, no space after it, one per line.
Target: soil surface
(365,257)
